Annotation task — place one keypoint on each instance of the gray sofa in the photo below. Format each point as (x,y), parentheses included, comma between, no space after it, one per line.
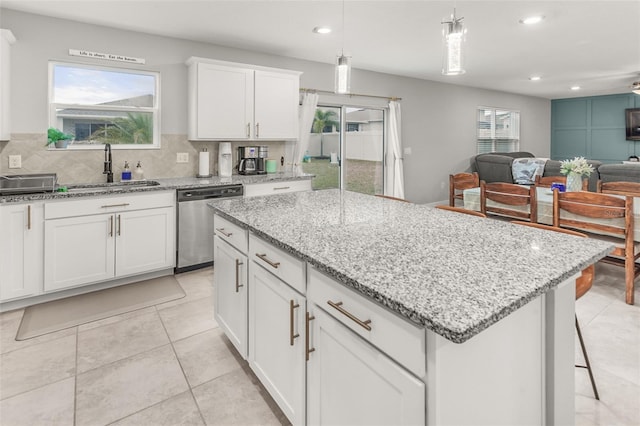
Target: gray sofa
(496,167)
(619,172)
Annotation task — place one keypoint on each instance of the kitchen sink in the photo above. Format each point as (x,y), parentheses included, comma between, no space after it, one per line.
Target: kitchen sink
(110,187)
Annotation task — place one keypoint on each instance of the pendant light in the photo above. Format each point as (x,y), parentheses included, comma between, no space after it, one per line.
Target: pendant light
(635,87)
(453,38)
(343,67)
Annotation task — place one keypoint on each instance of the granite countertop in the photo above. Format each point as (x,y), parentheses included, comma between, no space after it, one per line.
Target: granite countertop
(89,190)
(455,274)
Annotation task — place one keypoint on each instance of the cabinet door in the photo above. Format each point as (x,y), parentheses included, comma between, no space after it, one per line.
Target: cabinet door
(276,101)
(21,250)
(78,250)
(230,290)
(145,240)
(351,382)
(224,107)
(276,336)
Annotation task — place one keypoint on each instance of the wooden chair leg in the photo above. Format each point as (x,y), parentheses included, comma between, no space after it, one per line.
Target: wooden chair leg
(629,277)
(586,360)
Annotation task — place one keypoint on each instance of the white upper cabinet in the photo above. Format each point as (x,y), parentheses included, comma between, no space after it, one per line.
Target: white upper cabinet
(229,101)
(6,40)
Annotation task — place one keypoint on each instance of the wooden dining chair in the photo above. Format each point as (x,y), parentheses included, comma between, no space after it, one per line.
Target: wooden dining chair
(513,201)
(619,188)
(460,210)
(546,181)
(583,284)
(459,182)
(603,215)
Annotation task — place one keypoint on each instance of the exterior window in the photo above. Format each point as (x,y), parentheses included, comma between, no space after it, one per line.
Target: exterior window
(99,105)
(353,127)
(498,130)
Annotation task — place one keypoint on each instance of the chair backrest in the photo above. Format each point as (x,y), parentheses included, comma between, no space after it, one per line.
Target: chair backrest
(546,181)
(584,281)
(620,188)
(514,201)
(460,182)
(614,214)
(460,210)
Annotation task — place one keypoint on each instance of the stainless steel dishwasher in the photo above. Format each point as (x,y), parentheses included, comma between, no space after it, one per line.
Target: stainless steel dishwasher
(195,225)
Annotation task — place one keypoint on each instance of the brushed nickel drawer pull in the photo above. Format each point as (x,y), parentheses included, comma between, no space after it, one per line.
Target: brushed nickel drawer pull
(338,306)
(266,259)
(308,350)
(114,205)
(29,216)
(292,306)
(281,188)
(238,285)
(226,234)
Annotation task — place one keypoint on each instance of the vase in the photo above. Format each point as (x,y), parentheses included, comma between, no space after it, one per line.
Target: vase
(62,143)
(574,182)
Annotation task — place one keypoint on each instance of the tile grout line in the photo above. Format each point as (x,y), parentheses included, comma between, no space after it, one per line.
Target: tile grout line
(181,367)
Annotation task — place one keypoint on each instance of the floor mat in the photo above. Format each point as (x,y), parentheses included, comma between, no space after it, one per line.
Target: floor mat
(75,310)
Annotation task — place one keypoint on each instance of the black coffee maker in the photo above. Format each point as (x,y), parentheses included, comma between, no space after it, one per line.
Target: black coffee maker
(251,160)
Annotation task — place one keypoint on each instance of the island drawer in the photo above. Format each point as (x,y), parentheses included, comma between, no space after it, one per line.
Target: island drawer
(400,339)
(85,206)
(288,268)
(271,188)
(231,233)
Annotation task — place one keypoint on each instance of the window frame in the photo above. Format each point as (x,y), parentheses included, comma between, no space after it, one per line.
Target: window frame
(498,143)
(153,110)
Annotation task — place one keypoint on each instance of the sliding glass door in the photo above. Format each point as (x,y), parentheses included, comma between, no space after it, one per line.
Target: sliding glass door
(346,149)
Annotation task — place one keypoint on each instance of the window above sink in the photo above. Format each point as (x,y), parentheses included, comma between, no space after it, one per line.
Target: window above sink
(99,105)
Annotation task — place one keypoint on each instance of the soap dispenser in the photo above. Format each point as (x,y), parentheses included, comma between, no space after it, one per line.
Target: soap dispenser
(126,172)
(138,173)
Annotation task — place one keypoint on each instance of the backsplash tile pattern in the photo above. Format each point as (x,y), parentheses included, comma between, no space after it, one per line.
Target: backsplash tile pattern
(74,167)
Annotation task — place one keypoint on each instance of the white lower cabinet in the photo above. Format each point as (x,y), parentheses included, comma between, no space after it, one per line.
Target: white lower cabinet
(21,250)
(351,382)
(102,238)
(277,339)
(231,293)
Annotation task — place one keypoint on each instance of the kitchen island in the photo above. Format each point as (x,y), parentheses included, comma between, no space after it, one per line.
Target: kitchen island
(494,302)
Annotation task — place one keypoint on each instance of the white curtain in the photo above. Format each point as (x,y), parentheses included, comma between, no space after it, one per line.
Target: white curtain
(306,114)
(394,177)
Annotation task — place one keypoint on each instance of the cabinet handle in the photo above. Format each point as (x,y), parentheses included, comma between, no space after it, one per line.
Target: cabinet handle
(248,130)
(29,216)
(114,205)
(280,188)
(238,285)
(338,306)
(266,259)
(226,234)
(292,306)
(308,350)
(257,130)
(111,226)
(119,227)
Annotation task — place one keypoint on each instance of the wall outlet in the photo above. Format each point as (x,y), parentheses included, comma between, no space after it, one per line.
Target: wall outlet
(183,157)
(15,161)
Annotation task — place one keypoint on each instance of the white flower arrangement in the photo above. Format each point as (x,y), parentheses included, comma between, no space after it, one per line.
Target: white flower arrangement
(578,165)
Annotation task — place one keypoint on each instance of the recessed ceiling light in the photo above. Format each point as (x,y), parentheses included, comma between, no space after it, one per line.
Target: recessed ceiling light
(530,20)
(575,87)
(534,78)
(322,30)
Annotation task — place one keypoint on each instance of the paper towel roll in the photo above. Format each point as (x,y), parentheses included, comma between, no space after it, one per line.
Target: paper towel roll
(203,168)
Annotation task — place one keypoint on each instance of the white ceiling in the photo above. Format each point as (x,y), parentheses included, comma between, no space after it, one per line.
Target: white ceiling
(593,44)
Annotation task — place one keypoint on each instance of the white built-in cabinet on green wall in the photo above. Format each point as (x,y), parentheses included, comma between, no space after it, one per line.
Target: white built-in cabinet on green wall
(592,127)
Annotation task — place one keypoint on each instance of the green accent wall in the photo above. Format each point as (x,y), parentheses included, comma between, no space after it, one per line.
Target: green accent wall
(592,127)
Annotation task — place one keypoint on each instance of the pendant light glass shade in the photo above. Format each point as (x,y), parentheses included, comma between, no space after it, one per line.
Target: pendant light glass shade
(635,87)
(343,74)
(453,46)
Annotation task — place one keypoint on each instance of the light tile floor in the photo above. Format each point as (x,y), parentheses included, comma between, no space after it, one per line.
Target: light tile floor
(170,364)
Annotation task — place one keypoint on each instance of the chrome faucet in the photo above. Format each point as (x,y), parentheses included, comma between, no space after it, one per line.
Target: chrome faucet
(107,163)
